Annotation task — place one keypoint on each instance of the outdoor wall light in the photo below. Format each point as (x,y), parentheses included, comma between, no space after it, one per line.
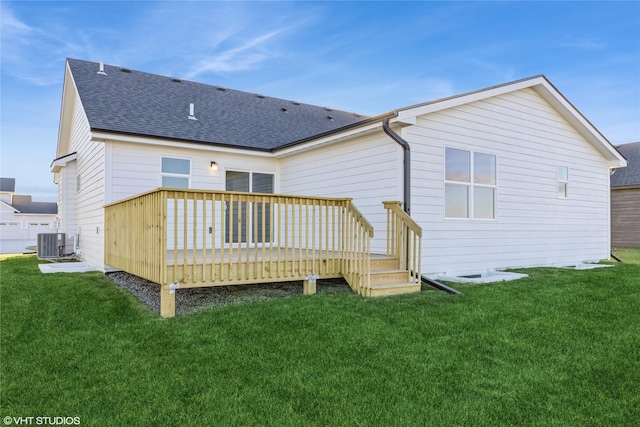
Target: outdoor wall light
(214,166)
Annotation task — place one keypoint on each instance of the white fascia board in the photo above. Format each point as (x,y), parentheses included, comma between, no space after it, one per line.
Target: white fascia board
(330,139)
(7,205)
(61,162)
(30,214)
(100,136)
(572,115)
(546,90)
(69,91)
(408,115)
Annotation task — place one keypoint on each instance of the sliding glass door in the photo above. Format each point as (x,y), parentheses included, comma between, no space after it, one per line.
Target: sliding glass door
(258,213)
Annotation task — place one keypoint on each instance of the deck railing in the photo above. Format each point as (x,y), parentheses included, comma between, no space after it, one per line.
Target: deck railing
(404,241)
(207,238)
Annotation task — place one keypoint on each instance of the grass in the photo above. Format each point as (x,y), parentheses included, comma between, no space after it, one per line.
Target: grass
(630,255)
(560,348)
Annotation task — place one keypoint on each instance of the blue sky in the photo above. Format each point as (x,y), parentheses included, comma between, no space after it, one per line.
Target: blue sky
(366,57)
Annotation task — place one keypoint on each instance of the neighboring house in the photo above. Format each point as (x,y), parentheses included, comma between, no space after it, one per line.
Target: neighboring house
(625,200)
(20,217)
(508,176)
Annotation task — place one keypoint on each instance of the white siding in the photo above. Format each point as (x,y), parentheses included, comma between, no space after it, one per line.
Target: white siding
(367,169)
(90,199)
(67,208)
(135,169)
(528,138)
(533,226)
(7,212)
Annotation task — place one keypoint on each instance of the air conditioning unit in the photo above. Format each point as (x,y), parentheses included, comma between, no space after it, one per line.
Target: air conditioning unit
(51,245)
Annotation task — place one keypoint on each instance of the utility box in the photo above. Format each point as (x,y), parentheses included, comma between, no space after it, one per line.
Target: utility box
(51,245)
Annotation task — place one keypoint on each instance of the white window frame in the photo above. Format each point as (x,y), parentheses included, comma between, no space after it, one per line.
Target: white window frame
(173,174)
(561,181)
(471,186)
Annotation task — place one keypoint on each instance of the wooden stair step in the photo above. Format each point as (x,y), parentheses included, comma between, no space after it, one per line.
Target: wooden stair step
(383,263)
(388,289)
(387,276)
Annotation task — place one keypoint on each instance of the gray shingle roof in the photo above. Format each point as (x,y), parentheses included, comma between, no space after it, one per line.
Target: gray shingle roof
(134,102)
(631,174)
(8,185)
(25,205)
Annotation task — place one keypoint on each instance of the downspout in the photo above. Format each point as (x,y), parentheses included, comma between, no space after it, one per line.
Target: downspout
(407,163)
(407,194)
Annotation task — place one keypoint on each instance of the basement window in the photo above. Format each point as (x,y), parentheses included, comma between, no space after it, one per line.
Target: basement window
(175,172)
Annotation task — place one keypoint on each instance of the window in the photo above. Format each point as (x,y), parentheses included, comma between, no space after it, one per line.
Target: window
(563,181)
(175,172)
(470,184)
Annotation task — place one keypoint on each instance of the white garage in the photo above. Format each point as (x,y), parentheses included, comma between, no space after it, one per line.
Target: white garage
(21,218)
(9,230)
(36,228)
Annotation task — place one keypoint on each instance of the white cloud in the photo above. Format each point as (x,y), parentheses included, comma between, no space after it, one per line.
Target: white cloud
(12,25)
(32,53)
(583,44)
(245,56)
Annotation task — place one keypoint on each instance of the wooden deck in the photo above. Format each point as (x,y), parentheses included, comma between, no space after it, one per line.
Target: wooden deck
(192,238)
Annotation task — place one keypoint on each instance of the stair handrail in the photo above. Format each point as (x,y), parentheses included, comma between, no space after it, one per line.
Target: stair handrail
(404,240)
(362,220)
(358,232)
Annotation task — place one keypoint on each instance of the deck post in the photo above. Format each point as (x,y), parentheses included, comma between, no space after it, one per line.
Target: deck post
(309,286)
(167,301)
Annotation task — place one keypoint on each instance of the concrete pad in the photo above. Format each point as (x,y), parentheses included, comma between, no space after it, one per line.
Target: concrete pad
(486,277)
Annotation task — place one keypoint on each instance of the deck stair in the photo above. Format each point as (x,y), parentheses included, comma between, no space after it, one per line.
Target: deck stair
(386,278)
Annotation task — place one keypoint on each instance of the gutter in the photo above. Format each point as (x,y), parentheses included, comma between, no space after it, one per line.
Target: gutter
(407,194)
(407,163)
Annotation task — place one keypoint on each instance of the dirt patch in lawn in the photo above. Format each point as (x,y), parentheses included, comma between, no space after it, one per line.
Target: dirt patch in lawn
(197,299)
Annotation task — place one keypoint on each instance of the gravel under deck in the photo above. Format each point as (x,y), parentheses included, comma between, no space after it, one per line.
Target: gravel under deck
(192,300)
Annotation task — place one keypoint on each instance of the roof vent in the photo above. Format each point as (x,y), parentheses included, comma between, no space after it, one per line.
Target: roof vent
(192,110)
(101,70)
(175,79)
(330,118)
(260,96)
(221,89)
(328,109)
(284,110)
(295,102)
(125,70)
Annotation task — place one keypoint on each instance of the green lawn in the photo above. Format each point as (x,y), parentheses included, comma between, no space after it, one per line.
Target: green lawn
(560,348)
